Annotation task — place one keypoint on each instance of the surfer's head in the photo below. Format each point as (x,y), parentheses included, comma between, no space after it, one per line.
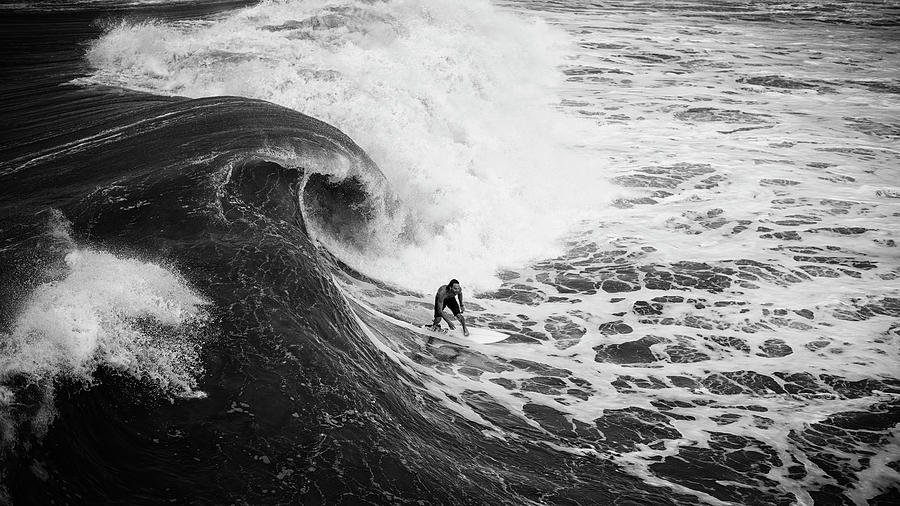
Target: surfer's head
(454,287)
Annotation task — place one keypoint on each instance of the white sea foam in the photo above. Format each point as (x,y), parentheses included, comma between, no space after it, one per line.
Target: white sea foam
(125,314)
(455,101)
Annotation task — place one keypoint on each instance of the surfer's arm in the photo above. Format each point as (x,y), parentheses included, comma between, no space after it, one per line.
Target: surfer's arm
(462,309)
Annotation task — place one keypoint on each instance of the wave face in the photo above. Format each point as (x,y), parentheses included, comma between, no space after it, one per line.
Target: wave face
(683,215)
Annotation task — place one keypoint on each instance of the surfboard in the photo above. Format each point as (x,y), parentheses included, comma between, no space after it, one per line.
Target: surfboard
(478,335)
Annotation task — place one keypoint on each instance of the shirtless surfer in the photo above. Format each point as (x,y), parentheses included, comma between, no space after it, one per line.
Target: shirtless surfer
(446,297)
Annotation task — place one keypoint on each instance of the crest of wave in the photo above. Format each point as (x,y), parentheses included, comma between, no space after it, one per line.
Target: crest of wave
(455,101)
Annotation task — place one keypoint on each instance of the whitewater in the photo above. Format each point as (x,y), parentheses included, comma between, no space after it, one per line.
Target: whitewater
(684,215)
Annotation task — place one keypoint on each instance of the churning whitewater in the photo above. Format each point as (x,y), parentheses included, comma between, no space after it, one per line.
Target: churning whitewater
(222,223)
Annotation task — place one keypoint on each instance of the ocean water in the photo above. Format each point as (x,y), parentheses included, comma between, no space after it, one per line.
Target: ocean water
(684,214)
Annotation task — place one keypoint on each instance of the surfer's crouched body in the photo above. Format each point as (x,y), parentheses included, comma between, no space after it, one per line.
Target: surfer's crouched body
(446,297)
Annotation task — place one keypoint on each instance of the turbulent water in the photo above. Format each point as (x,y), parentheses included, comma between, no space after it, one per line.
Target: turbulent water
(685,216)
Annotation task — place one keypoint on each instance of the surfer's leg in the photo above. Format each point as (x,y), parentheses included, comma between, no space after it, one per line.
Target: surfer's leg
(436,324)
(450,303)
(448,320)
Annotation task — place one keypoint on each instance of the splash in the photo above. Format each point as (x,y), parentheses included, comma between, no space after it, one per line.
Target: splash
(123,314)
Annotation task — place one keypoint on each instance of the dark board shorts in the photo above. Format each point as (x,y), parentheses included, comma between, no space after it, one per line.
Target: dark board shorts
(452,304)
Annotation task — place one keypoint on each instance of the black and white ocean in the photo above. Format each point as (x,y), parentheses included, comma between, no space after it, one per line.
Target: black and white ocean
(685,215)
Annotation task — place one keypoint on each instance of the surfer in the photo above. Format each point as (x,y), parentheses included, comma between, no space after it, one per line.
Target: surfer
(446,297)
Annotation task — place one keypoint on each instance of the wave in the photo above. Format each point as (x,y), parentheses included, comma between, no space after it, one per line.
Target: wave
(454,101)
(215,188)
(179,261)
